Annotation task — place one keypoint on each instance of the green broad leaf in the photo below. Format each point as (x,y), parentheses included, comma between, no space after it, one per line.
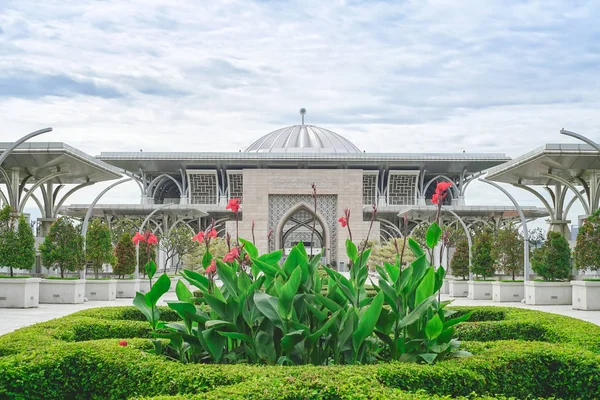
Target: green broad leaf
(236,335)
(152,314)
(367,321)
(256,285)
(326,302)
(392,270)
(460,354)
(351,250)
(458,320)
(297,257)
(291,339)
(184,310)
(313,337)
(150,268)
(416,314)
(390,295)
(267,305)
(425,288)
(319,315)
(419,267)
(415,248)
(217,323)
(343,283)
(446,335)
(206,259)
(229,278)
(160,287)
(213,343)
(249,248)
(386,320)
(382,273)
(428,357)
(182,292)
(265,347)
(346,329)
(434,233)
(440,273)
(244,282)
(218,306)
(271,258)
(284,360)
(434,327)
(196,279)
(288,291)
(267,268)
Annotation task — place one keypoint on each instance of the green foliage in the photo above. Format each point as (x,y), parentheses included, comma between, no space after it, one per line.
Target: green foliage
(193,260)
(124,226)
(550,356)
(98,245)
(386,253)
(459,265)
(587,249)
(482,262)
(176,243)
(17,246)
(552,261)
(508,250)
(125,256)
(63,247)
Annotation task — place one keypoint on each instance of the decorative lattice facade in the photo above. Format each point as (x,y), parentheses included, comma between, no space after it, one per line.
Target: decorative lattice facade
(236,185)
(280,205)
(401,189)
(369,189)
(203,188)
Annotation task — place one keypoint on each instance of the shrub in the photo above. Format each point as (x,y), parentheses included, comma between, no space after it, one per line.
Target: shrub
(17,246)
(98,245)
(587,249)
(125,256)
(508,250)
(552,261)
(459,265)
(482,260)
(63,247)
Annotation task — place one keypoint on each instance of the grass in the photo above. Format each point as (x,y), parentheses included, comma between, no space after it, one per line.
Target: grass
(14,277)
(510,280)
(591,279)
(61,279)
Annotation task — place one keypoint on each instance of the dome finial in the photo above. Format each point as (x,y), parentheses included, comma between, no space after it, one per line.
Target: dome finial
(303,113)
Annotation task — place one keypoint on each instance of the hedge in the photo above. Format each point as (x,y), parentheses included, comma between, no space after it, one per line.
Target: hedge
(78,356)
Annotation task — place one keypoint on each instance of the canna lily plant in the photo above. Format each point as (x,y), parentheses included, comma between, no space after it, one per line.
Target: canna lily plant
(272,312)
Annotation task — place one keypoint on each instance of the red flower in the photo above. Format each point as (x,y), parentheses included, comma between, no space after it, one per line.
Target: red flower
(150,238)
(233,205)
(138,238)
(212,233)
(199,237)
(232,255)
(212,268)
(123,343)
(434,198)
(441,191)
(343,221)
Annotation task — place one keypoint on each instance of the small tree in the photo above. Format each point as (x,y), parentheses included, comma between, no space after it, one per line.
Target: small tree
(63,247)
(459,265)
(508,250)
(218,248)
(587,249)
(17,247)
(125,256)
(483,262)
(24,252)
(98,245)
(552,261)
(177,243)
(124,225)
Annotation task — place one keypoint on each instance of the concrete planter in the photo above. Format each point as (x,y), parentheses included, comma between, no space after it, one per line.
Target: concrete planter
(19,292)
(480,290)
(101,290)
(174,280)
(508,291)
(445,289)
(548,293)
(58,291)
(127,288)
(145,285)
(586,295)
(458,288)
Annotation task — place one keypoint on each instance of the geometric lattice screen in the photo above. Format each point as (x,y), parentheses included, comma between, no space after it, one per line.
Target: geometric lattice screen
(369,189)
(401,189)
(203,188)
(236,185)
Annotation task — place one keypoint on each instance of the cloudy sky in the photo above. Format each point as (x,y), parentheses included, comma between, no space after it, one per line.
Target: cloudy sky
(412,76)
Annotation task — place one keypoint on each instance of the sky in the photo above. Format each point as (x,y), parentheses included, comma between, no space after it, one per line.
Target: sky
(391,76)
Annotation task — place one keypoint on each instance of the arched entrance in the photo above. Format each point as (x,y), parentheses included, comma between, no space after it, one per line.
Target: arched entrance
(298,227)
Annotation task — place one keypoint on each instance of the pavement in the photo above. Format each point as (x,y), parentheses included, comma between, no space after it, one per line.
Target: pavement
(12,319)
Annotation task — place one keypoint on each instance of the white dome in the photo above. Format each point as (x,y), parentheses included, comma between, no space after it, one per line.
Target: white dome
(302,139)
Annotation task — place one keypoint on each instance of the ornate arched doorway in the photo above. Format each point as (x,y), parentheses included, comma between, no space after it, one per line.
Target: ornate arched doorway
(298,227)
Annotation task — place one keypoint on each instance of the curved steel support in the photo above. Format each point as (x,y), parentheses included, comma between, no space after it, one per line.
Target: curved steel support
(526,265)
(67,195)
(25,138)
(469,239)
(88,214)
(568,184)
(454,188)
(391,225)
(38,202)
(4,197)
(152,183)
(137,246)
(582,138)
(463,189)
(9,191)
(37,185)
(571,202)
(539,196)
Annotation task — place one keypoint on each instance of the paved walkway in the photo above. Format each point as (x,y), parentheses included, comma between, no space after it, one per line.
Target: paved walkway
(12,319)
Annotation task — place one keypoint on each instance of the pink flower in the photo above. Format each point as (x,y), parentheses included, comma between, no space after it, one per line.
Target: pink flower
(441,191)
(138,238)
(212,268)
(232,255)
(343,221)
(233,205)
(150,238)
(199,237)
(123,343)
(212,234)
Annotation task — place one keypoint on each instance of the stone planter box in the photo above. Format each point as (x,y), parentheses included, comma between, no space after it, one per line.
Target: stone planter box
(480,290)
(548,293)
(101,289)
(508,291)
(458,288)
(57,291)
(19,292)
(145,285)
(586,295)
(127,288)
(445,289)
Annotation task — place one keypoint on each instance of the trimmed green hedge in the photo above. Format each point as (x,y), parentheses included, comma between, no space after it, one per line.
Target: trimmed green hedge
(78,356)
